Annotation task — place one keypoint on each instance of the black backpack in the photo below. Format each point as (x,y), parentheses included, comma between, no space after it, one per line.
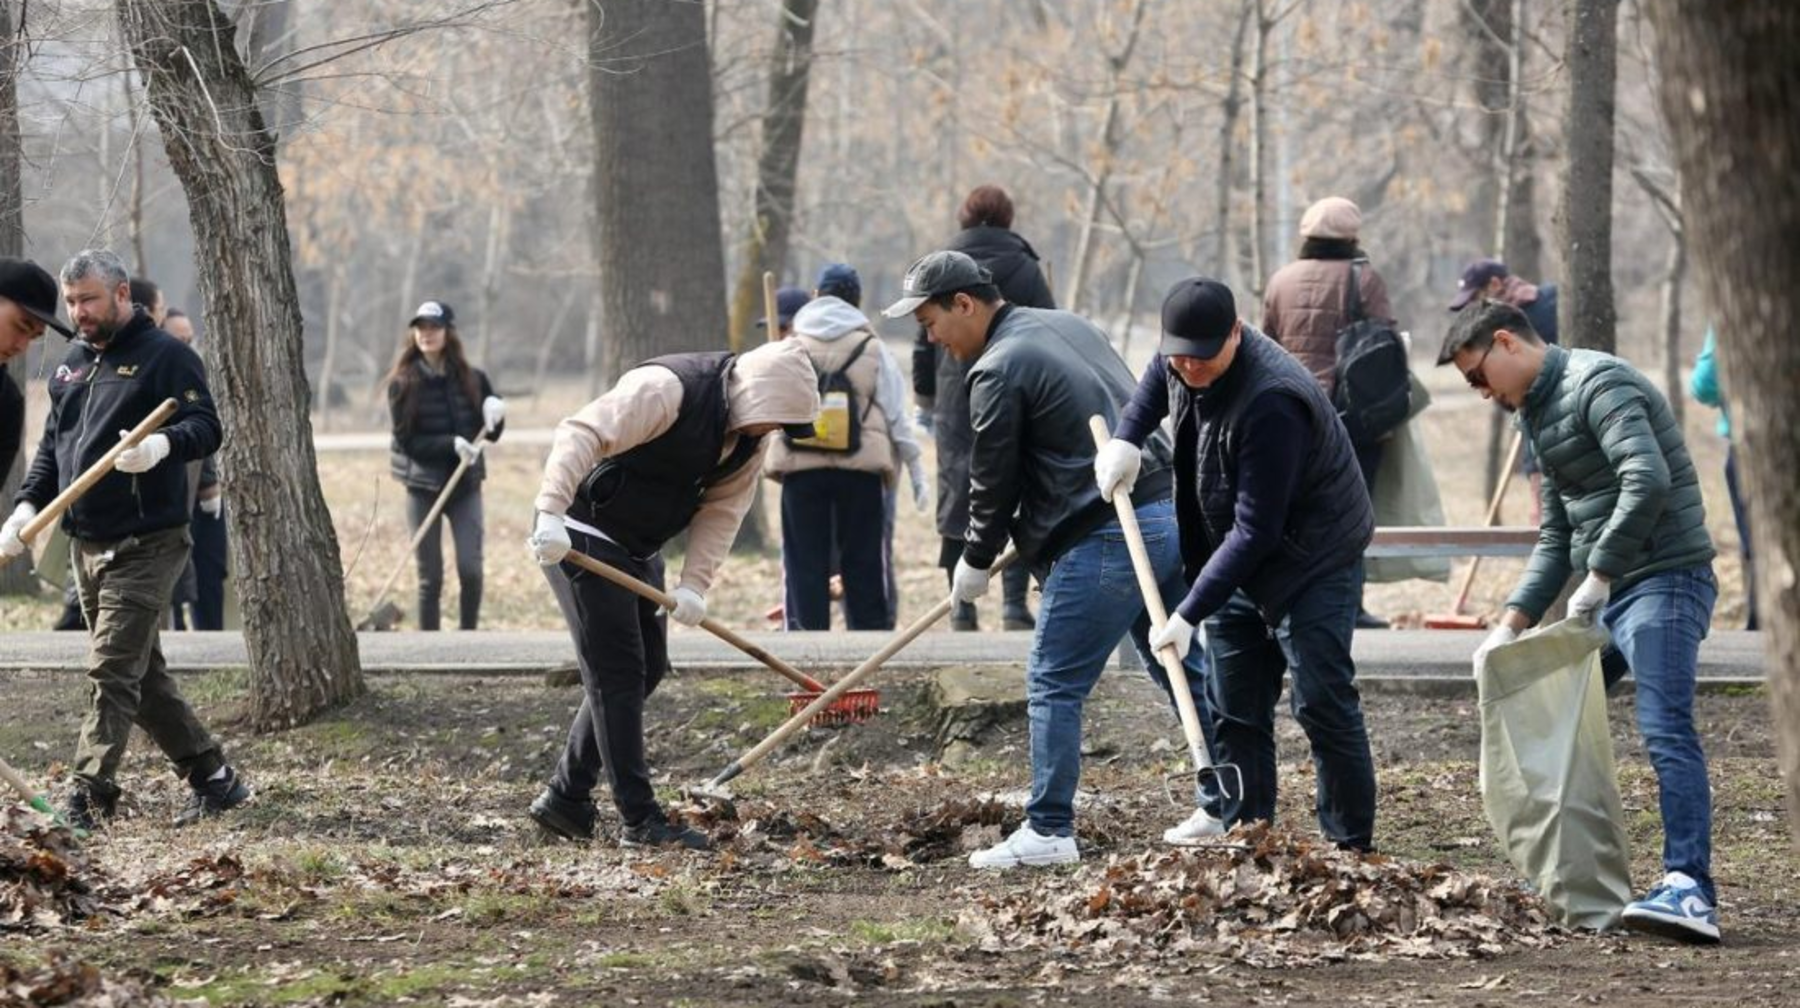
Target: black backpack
(1374,388)
(839,426)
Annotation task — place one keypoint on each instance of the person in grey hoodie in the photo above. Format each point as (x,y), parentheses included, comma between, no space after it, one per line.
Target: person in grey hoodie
(834,484)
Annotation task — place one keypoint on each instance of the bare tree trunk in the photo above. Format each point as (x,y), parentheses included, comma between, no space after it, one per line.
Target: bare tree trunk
(783,126)
(656,183)
(1230,111)
(135,223)
(334,326)
(1259,119)
(16,578)
(1668,207)
(1110,139)
(1588,316)
(289,576)
(1731,94)
(493,266)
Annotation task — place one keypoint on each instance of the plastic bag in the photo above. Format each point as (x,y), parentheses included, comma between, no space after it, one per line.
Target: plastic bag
(1406,493)
(1548,783)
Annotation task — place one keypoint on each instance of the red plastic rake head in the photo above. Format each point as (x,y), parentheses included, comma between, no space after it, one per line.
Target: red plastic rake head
(854,707)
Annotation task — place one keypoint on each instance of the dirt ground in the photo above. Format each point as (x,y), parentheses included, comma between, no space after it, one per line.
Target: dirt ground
(386,860)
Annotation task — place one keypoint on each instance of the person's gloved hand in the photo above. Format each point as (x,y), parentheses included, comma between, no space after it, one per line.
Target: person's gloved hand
(915,473)
(549,539)
(213,507)
(11,544)
(1177,631)
(1500,636)
(1116,465)
(143,456)
(968,583)
(922,420)
(468,450)
(1590,597)
(493,412)
(690,606)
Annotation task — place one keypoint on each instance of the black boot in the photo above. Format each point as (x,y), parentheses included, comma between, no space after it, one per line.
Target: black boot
(212,796)
(657,831)
(571,820)
(89,806)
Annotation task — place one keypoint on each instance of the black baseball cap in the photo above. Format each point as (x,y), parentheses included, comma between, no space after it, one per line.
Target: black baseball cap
(934,274)
(1475,278)
(27,285)
(1197,318)
(434,313)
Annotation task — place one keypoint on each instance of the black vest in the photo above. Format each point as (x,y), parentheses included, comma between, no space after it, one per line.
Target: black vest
(1330,520)
(646,496)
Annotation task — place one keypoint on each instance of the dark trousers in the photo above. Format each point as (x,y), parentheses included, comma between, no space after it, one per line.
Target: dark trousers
(125,588)
(820,508)
(1740,515)
(621,647)
(464,514)
(210,567)
(1249,663)
(1368,462)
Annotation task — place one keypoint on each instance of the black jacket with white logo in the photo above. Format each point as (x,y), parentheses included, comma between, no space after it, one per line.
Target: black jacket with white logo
(96,394)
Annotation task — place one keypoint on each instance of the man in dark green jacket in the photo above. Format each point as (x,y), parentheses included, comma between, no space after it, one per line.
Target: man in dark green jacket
(1622,508)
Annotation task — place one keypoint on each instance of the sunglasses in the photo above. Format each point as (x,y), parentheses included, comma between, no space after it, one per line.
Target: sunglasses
(1476,376)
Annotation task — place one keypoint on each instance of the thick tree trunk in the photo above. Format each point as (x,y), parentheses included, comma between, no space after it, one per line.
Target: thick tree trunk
(283,551)
(656,184)
(1730,90)
(15,578)
(1588,316)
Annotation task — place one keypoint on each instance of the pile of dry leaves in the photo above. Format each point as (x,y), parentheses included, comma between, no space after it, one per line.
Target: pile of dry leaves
(64,981)
(765,835)
(1265,897)
(45,879)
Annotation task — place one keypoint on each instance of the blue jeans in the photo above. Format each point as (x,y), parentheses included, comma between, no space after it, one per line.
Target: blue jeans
(1658,624)
(1249,662)
(1091,600)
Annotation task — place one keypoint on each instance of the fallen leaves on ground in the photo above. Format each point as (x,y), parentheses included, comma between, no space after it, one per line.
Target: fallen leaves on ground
(1267,898)
(45,878)
(62,980)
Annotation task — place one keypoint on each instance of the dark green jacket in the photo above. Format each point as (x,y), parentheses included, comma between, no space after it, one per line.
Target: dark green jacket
(1620,494)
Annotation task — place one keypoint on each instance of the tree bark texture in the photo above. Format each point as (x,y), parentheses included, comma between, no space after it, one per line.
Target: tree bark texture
(15,578)
(284,554)
(1259,137)
(1588,316)
(1730,89)
(1233,107)
(656,183)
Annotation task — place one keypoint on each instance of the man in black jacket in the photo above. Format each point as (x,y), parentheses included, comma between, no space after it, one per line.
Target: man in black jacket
(1274,518)
(1035,377)
(128,535)
(27,308)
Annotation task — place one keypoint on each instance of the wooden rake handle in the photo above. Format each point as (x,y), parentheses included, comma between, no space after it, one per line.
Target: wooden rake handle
(771,314)
(710,625)
(844,685)
(53,511)
(437,508)
(1153,604)
(1493,518)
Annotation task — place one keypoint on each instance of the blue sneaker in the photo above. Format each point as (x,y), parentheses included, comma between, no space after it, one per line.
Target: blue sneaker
(1676,909)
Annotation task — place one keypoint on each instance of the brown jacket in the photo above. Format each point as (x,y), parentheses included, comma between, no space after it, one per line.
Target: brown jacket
(1305,306)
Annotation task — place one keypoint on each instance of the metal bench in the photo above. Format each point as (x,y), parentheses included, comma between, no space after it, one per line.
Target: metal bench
(1453,541)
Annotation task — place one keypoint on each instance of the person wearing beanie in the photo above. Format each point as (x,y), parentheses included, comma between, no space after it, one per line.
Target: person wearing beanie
(1273,518)
(1308,302)
(1035,377)
(676,445)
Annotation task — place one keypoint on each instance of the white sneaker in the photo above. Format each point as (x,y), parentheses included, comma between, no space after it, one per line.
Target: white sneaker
(1028,847)
(1194,830)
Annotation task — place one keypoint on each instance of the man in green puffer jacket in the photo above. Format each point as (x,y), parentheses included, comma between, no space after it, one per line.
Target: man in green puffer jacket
(1622,507)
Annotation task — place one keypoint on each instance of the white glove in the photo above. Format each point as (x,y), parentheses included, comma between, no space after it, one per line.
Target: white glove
(968,583)
(213,507)
(468,450)
(922,419)
(690,606)
(1500,636)
(549,539)
(1116,465)
(11,545)
(143,456)
(1589,598)
(915,472)
(493,412)
(1177,631)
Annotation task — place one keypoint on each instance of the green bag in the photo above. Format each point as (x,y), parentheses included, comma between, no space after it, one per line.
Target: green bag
(1548,783)
(1406,493)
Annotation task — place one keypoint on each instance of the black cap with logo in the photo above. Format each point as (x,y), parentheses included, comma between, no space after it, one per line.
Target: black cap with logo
(27,285)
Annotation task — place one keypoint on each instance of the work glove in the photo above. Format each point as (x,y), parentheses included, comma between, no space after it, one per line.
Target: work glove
(493,413)
(468,450)
(1589,598)
(11,545)
(549,539)
(968,583)
(1177,631)
(213,507)
(922,420)
(1116,465)
(1500,636)
(915,473)
(689,608)
(143,456)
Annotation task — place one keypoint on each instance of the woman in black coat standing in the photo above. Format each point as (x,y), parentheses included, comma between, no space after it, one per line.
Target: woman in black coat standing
(440,407)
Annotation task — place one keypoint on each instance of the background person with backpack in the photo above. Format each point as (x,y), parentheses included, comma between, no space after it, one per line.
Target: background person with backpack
(1308,305)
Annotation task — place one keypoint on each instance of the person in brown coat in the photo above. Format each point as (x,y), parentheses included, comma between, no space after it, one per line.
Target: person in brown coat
(1307,302)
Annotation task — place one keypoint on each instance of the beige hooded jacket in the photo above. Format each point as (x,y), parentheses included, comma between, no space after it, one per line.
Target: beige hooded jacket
(774,383)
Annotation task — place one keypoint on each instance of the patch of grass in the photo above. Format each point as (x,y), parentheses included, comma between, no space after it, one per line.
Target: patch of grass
(683,899)
(327,986)
(216,686)
(624,960)
(316,865)
(929,930)
(482,909)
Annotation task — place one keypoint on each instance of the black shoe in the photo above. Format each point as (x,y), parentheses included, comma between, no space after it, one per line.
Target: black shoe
(1366,620)
(962,617)
(571,820)
(212,797)
(658,831)
(87,808)
(1017,619)
(71,619)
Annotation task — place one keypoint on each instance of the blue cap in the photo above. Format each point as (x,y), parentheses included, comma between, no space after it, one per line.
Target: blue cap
(788,300)
(840,280)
